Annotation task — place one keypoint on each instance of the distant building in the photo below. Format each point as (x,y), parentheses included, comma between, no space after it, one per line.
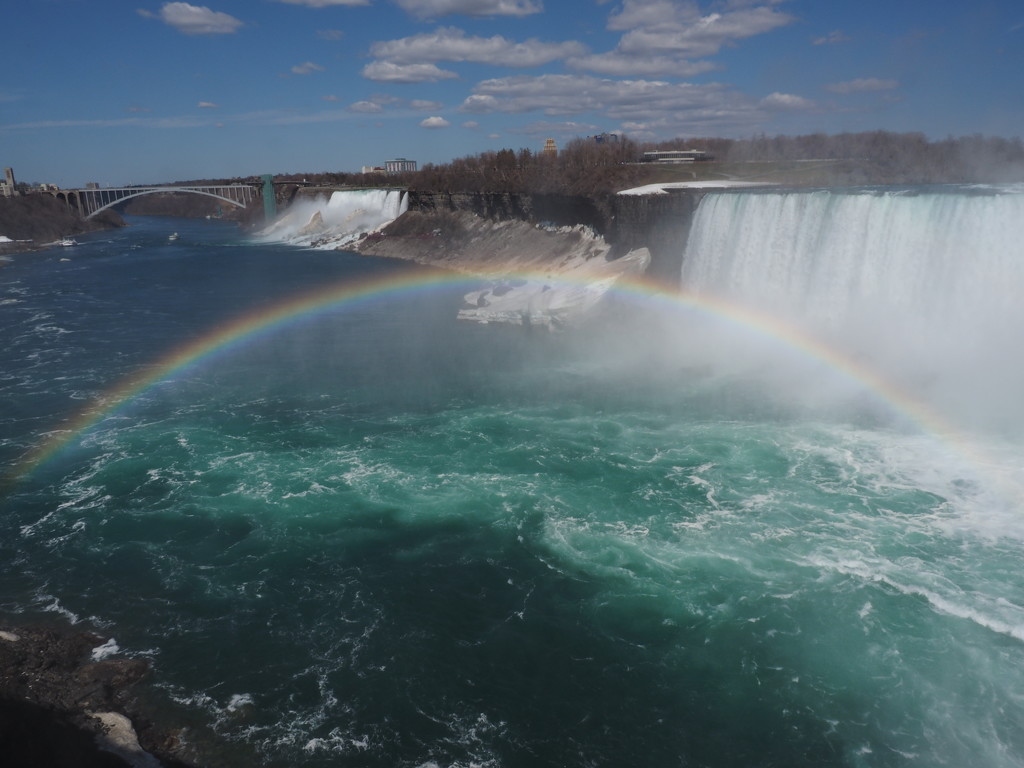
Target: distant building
(399,165)
(550,148)
(92,185)
(373,169)
(606,138)
(675,156)
(8,187)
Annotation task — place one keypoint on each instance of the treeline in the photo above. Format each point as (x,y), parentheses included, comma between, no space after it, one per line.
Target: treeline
(885,157)
(581,167)
(584,166)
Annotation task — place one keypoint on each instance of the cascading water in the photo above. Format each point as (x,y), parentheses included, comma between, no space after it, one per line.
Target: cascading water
(922,286)
(336,221)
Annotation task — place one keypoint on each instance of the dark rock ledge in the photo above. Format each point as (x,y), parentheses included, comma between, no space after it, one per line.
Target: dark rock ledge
(60,708)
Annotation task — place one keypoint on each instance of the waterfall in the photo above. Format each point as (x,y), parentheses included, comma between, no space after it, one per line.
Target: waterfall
(923,285)
(334,222)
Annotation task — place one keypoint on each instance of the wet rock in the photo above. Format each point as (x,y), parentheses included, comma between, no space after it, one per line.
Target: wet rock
(59,708)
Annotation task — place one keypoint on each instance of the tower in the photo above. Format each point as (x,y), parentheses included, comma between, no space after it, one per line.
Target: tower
(7,186)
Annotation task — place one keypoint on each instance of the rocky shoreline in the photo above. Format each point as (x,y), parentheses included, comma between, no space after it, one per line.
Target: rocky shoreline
(542,276)
(33,222)
(66,701)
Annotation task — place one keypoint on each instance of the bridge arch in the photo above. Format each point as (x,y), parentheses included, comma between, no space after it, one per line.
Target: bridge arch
(91,200)
(128,195)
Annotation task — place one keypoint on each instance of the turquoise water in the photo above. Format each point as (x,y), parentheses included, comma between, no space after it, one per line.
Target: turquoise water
(379,537)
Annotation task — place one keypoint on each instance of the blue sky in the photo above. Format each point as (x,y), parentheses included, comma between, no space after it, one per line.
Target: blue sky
(144,91)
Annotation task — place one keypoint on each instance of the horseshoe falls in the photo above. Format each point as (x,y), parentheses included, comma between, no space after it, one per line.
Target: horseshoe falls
(922,287)
(773,519)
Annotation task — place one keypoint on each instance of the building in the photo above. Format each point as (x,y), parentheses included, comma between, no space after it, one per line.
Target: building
(399,165)
(550,148)
(8,187)
(675,156)
(606,138)
(373,169)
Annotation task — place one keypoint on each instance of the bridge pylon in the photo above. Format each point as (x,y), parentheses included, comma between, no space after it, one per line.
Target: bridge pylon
(269,200)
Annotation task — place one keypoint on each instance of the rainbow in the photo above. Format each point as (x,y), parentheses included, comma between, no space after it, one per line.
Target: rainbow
(249,328)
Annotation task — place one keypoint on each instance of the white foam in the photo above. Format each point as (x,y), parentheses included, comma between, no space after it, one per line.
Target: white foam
(106,650)
(240,700)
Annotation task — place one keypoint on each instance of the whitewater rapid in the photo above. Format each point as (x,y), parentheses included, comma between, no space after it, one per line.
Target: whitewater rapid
(370,534)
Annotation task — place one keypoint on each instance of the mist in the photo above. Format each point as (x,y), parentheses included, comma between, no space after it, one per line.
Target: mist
(838,301)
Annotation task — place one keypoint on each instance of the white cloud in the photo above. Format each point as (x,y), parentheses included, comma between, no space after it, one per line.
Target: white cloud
(307,68)
(207,105)
(672,106)
(436,8)
(196,19)
(330,34)
(480,103)
(622,65)
(655,27)
(564,128)
(471,124)
(424,105)
(366,106)
(786,102)
(325,3)
(451,44)
(434,122)
(572,94)
(388,72)
(671,38)
(862,84)
(165,122)
(833,37)
(262,117)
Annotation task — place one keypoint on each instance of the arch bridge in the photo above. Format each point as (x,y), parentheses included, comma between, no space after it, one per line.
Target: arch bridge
(89,202)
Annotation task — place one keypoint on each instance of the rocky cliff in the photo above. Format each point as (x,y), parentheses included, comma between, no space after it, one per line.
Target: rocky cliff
(549,258)
(33,221)
(658,222)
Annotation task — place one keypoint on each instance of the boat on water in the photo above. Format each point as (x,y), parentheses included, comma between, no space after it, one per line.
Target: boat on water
(174,236)
(67,241)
